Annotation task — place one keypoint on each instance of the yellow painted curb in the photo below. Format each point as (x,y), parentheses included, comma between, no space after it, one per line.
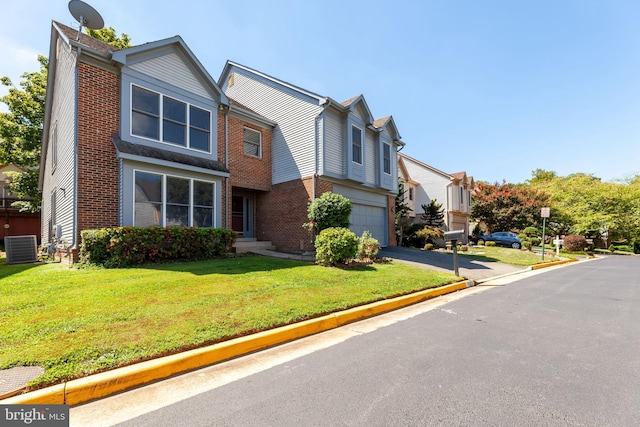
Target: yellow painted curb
(117,380)
(551,264)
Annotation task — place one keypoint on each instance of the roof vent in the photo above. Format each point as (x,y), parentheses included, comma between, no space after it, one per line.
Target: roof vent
(21,249)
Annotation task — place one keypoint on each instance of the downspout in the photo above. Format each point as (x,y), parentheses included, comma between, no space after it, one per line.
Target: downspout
(316,154)
(74,220)
(226,163)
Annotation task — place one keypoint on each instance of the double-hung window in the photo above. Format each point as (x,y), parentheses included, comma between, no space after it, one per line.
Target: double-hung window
(166,200)
(252,142)
(356,144)
(161,118)
(386,158)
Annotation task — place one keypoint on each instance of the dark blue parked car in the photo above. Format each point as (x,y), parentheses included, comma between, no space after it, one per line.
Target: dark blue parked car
(502,238)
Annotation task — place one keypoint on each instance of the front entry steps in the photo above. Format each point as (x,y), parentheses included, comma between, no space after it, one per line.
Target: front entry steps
(251,244)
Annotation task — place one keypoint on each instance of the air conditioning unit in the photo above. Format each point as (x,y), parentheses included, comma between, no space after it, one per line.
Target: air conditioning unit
(21,249)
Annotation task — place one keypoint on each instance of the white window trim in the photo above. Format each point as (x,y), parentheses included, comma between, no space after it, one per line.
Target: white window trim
(259,156)
(161,118)
(361,145)
(385,144)
(54,147)
(163,189)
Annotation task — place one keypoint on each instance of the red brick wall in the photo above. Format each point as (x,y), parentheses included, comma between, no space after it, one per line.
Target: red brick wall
(282,211)
(98,118)
(391,221)
(248,171)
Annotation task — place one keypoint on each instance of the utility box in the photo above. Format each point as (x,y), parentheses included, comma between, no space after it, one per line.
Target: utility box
(454,235)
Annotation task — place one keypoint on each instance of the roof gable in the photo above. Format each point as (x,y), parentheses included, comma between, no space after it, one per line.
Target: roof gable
(170,60)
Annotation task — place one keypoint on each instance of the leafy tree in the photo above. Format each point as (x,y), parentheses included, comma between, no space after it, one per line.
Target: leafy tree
(21,132)
(505,206)
(108,35)
(403,221)
(21,128)
(329,210)
(433,214)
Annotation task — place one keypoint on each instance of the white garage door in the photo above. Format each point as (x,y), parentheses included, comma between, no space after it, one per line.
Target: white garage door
(372,218)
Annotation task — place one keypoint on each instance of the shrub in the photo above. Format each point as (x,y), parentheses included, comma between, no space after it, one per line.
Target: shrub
(490,244)
(526,244)
(428,247)
(574,242)
(611,248)
(329,210)
(535,241)
(480,242)
(530,232)
(335,245)
(463,248)
(368,247)
(430,233)
(127,246)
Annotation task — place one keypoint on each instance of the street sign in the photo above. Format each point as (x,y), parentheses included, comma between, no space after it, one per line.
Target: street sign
(545,212)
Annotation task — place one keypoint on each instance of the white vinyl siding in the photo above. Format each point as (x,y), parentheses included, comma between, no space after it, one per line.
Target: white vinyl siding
(371,161)
(171,68)
(60,180)
(293,139)
(334,145)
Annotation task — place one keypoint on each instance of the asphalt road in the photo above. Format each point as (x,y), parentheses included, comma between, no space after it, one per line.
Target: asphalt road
(556,347)
(467,267)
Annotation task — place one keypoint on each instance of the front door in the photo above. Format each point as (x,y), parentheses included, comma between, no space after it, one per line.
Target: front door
(242,215)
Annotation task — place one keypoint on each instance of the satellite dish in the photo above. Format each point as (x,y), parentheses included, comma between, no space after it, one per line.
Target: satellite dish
(86,15)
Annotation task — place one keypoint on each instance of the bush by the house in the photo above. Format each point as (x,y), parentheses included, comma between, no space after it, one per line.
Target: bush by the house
(490,244)
(428,247)
(368,247)
(574,242)
(127,246)
(329,210)
(335,245)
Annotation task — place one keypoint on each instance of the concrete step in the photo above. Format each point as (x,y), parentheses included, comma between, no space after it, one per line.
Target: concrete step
(244,245)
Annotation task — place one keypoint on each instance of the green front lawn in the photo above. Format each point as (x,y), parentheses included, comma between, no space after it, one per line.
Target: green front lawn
(510,256)
(75,322)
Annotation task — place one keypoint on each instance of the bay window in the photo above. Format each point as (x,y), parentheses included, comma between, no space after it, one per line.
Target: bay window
(166,200)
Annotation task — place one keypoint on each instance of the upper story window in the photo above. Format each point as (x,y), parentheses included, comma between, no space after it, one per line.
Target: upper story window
(161,118)
(386,158)
(252,142)
(468,198)
(461,196)
(410,193)
(356,144)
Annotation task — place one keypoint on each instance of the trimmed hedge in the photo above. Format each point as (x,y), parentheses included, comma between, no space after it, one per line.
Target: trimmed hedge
(336,245)
(127,246)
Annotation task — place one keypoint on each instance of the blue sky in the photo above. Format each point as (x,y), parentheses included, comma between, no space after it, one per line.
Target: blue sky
(496,88)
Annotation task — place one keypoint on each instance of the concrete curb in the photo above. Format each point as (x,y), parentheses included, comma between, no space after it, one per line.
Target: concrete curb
(100,385)
(551,264)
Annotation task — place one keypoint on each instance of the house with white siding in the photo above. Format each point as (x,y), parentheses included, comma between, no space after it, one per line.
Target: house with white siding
(320,145)
(423,183)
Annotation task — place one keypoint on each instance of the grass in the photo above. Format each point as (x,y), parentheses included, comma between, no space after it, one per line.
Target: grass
(508,255)
(75,322)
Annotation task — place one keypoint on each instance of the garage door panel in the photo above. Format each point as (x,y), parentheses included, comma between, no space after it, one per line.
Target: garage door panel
(370,218)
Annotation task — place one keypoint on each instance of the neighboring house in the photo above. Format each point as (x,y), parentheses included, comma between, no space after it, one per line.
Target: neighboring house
(14,222)
(143,136)
(423,183)
(319,145)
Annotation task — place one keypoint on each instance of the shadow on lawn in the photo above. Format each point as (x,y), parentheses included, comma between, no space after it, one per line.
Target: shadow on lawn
(7,270)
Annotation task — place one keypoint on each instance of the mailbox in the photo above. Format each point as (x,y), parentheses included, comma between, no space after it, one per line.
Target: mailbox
(454,235)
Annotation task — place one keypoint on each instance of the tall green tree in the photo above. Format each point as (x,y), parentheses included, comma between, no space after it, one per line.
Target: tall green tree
(403,221)
(433,215)
(21,127)
(507,207)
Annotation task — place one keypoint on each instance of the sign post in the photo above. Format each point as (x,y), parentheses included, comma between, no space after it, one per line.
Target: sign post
(544,213)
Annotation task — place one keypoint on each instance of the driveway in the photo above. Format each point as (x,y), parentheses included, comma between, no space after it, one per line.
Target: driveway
(467,267)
